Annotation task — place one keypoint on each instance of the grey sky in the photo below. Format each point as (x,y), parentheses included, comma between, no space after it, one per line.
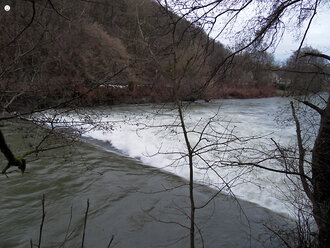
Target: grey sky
(318,37)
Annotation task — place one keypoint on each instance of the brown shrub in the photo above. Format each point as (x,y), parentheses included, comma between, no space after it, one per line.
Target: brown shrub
(240,91)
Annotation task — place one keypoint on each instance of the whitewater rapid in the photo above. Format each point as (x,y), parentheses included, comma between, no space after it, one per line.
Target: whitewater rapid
(152,134)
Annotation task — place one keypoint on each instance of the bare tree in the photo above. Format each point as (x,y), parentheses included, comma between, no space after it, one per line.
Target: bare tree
(44,75)
(183,62)
(265,28)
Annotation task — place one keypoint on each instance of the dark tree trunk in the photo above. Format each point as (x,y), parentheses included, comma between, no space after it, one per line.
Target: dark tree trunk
(321,179)
(12,160)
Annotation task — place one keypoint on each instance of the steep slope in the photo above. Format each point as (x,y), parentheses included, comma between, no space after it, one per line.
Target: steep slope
(106,51)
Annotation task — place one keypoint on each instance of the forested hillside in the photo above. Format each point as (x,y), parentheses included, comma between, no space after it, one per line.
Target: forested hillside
(110,51)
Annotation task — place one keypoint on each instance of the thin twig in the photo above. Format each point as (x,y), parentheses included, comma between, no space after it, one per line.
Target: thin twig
(318,55)
(42,220)
(311,105)
(67,234)
(13,99)
(28,25)
(85,221)
(301,151)
(306,30)
(112,237)
(271,169)
(57,12)
(278,235)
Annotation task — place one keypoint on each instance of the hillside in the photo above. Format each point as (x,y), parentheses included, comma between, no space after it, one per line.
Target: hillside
(111,51)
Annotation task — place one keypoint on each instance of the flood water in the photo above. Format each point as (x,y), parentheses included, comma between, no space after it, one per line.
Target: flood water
(134,195)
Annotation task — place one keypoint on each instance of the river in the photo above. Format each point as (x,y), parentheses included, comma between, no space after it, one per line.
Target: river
(129,170)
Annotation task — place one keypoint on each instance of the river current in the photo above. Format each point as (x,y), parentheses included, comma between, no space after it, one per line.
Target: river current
(152,134)
(133,170)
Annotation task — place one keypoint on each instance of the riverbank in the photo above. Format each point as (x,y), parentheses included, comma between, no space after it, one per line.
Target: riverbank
(108,94)
(117,94)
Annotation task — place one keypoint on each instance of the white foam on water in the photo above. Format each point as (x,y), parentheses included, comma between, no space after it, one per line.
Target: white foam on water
(153,136)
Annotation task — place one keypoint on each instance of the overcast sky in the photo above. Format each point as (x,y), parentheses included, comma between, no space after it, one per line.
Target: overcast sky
(318,37)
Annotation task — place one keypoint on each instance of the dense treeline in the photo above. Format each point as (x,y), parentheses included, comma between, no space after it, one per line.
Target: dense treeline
(112,51)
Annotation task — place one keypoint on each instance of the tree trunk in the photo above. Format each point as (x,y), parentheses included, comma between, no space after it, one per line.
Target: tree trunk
(321,179)
(12,160)
(191,177)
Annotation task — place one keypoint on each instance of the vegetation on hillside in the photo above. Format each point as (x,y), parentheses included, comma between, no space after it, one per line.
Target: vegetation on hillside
(59,53)
(51,56)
